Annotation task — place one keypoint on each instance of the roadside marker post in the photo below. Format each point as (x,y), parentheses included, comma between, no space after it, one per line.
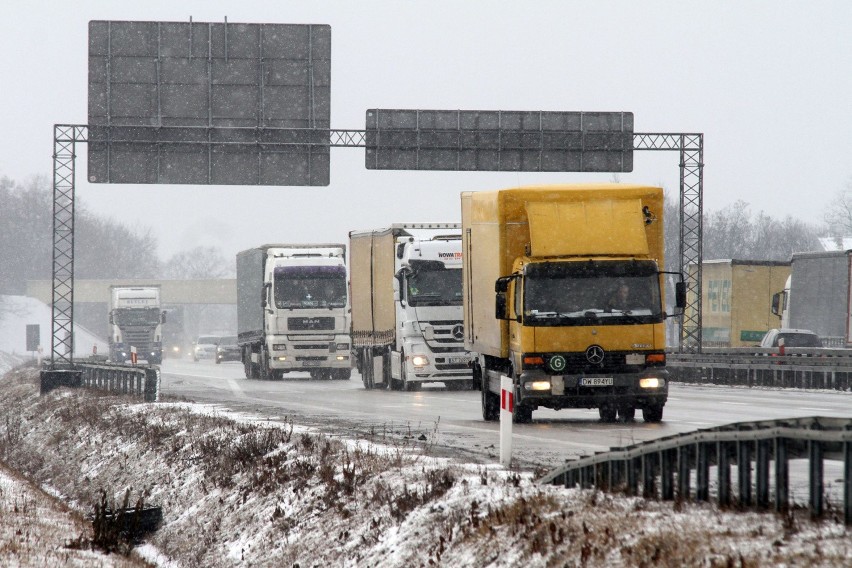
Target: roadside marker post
(133,356)
(507,408)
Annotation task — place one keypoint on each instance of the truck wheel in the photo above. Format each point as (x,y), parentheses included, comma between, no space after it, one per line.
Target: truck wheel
(263,372)
(607,412)
(522,414)
(626,413)
(490,405)
(341,374)
(653,413)
(366,370)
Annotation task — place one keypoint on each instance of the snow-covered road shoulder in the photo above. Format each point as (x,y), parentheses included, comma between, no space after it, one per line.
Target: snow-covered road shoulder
(238,490)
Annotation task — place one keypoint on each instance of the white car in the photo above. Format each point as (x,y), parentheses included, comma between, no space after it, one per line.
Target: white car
(205,347)
(790,338)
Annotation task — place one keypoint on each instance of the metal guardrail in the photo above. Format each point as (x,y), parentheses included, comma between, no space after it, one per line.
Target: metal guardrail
(664,467)
(119,379)
(807,368)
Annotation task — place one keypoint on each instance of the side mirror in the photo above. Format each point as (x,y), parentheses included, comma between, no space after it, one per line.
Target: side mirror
(163,320)
(397,289)
(501,285)
(111,320)
(680,295)
(776,303)
(500,311)
(264,293)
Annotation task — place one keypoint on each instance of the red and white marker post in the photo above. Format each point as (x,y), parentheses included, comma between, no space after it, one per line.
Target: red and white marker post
(133,358)
(507,408)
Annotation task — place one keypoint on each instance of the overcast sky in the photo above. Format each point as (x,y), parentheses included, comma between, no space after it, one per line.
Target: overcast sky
(769,83)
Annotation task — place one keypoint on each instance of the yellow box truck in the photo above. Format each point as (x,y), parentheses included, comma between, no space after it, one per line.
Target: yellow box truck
(563,293)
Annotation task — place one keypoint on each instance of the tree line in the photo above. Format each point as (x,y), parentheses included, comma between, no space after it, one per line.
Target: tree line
(106,249)
(103,248)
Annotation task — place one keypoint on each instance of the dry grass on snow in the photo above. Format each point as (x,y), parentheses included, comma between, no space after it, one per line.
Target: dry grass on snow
(237,491)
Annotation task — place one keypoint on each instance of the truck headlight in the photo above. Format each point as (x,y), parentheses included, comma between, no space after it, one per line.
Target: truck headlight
(537,385)
(279,347)
(419,360)
(651,383)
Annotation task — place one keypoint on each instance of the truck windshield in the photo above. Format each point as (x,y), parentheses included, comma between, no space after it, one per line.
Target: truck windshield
(592,292)
(307,289)
(136,316)
(430,284)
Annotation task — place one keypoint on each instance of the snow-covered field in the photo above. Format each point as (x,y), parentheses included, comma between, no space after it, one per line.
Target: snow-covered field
(20,311)
(242,491)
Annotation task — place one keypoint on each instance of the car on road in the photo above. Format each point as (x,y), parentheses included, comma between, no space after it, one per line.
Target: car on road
(789,337)
(228,349)
(205,347)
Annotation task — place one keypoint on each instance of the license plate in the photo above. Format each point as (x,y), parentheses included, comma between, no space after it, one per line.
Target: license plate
(596,382)
(458,360)
(311,363)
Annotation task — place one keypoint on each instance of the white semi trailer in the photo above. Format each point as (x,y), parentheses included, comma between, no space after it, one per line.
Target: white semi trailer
(293,310)
(136,320)
(406,287)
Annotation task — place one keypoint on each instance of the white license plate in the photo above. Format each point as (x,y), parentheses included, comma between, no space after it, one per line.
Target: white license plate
(458,360)
(311,363)
(596,382)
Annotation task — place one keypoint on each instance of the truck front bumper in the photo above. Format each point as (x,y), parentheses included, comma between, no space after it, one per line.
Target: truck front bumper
(309,355)
(638,390)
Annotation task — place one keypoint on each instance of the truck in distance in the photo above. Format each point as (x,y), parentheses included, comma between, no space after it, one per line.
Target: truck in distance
(135,320)
(407,306)
(563,293)
(293,310)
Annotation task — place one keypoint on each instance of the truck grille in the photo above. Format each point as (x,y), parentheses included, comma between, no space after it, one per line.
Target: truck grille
(310,323)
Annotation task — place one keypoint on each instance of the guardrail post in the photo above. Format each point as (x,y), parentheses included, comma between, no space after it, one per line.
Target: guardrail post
(702,471)
(724,468)
(648,476)
(683,481)
(782,476)
(744,472)
(632,465)
(152,384)
(816,474)
(762,474)
(667,468)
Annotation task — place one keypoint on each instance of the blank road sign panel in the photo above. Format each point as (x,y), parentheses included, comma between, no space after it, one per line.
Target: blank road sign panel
(529,141)
(209,103)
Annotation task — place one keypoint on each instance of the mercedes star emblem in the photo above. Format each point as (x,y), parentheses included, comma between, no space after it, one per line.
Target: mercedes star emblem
(595,354)
(458,332)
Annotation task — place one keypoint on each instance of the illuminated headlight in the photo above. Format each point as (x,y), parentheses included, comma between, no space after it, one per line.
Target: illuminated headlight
(342,346)
(651,383)
(419,360)
(282,358)
(123,354)
(342,357)
(175,348)
(537,386)
(219,350)
(279,347)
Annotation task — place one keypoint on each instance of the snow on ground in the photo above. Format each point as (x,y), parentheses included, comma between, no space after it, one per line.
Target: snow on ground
(39,531)
(20,311)
(238,490)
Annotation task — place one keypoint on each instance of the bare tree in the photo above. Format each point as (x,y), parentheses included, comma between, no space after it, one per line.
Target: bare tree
(838,215)
(199,263)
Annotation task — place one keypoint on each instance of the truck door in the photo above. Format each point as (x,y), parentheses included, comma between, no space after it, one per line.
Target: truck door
(516,310)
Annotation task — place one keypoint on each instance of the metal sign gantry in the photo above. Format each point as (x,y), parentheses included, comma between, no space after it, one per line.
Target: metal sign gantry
(65,138)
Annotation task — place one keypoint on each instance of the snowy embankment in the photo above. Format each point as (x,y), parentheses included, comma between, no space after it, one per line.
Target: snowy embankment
(238,491)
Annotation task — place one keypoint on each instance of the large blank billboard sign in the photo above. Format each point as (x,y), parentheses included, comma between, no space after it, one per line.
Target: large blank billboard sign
(209,103)
(523,141)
